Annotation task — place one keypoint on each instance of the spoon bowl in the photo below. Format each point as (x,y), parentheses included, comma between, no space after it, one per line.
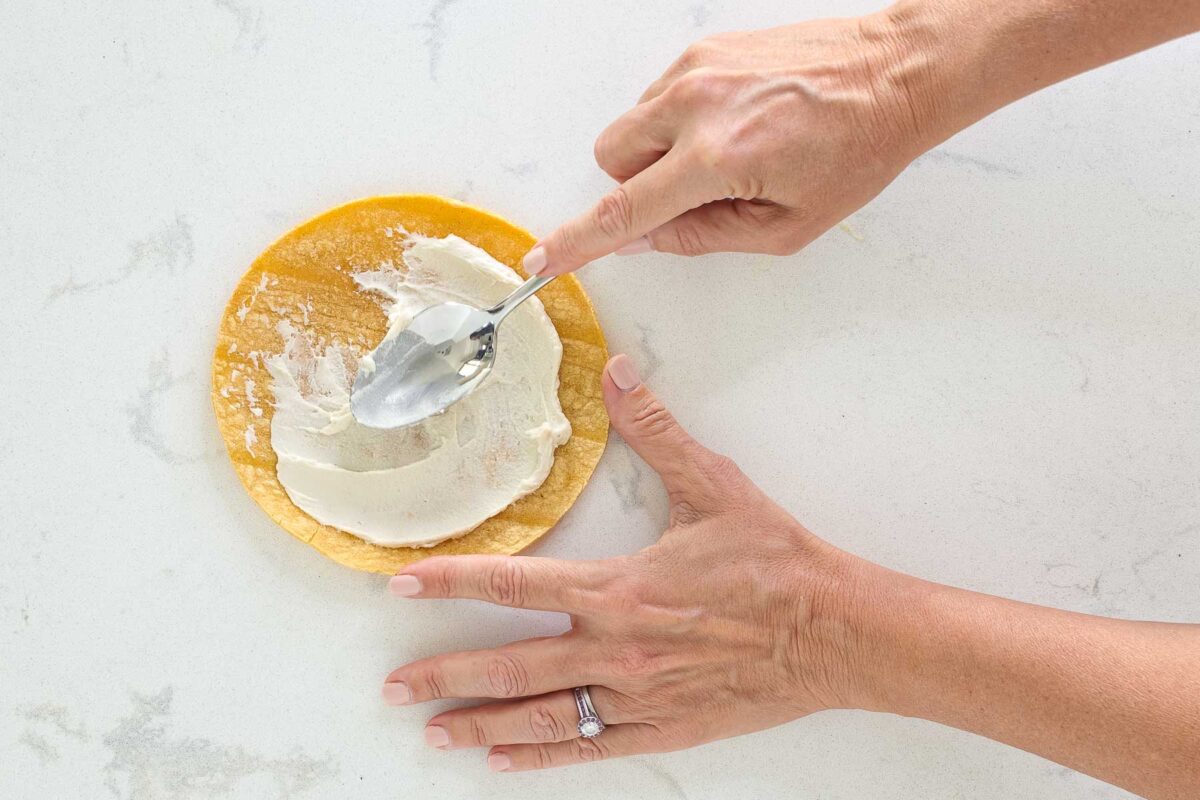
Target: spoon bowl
(441,357)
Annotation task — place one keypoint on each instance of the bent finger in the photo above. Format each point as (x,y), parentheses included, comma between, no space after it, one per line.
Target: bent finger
(730,226)
(635,140)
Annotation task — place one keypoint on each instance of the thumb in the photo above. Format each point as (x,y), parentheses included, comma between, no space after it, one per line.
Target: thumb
(733,226)
(691,472)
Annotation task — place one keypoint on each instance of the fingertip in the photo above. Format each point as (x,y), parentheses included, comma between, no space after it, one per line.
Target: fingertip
(404,585)
(535,261)
(623,373)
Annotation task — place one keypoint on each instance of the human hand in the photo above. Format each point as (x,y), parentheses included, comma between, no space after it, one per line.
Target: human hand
(756,141)
(721,628)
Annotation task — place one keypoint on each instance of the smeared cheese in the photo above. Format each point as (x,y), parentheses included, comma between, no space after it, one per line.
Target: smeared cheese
(417,486)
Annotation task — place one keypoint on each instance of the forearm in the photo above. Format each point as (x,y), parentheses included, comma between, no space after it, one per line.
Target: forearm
(1115,699)
(963,59)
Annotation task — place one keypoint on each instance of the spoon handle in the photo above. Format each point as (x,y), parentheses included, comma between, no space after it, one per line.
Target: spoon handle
(520,295)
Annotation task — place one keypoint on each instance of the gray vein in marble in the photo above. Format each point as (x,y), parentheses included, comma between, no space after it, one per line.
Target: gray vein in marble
(699,14)
(667,779)
(1140,564)
(148,762)
(1090,588)
(249,23)
(435,34)
(45,751)
(464,194)
(649,362)
(57,717)
(523,170)
(142,414)
(963,160)
(168,248)
(627,480)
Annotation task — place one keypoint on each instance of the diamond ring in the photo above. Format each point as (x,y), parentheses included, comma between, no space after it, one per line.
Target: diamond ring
(590,725)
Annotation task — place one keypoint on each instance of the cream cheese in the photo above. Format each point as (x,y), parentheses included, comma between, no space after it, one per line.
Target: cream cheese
(420,485)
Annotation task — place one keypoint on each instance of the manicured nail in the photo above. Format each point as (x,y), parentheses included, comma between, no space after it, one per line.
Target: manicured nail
(635,247)
(404,585)
(535,260)
(624,373)
(396,694)
(436,736)
(499,762)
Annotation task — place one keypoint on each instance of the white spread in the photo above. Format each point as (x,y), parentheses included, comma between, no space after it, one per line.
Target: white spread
(417,486)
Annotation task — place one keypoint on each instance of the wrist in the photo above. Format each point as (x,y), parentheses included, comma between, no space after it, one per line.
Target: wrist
(866,623)
(936,64)
(848,630)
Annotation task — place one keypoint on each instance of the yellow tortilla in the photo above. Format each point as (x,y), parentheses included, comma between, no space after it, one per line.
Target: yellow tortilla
(308,282)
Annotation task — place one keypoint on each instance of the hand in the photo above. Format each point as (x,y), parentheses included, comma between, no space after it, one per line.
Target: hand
(716,630)
(757,142)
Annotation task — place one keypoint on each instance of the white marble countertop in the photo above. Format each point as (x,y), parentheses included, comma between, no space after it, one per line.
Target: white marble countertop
(995,382)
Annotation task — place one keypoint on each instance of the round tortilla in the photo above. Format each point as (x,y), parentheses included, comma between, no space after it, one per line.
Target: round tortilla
(305,277)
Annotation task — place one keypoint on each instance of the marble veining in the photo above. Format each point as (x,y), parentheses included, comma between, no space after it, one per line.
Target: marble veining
(434,26)
(147,761)
(169,248)
(985,377)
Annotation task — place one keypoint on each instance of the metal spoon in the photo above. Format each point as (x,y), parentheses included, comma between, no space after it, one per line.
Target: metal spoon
(443,354)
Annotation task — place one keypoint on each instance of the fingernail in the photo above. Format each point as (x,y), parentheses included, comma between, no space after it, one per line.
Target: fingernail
(436,736)
(499,762)
(535,260)
(396,694)
(404,585)
(635,247)
(624,373)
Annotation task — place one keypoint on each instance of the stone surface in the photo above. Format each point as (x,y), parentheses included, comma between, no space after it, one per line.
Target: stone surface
(994,383)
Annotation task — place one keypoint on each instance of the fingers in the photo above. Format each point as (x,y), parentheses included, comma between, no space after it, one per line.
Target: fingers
(662,191)
(619,740)
(515,581)
(520,669)
(548,718)
(637,139)
(688,469)
(739,226)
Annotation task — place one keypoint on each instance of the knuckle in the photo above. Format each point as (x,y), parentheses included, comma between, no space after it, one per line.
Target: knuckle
(695,55)
(700,83)
(632,661)
(435,684)
(477,732)
(653,419)
(545,724)
(505,582)
(590,749)
(507,676)
(721,468)
(604,150)
(689,241)
(613,215)
(542,757)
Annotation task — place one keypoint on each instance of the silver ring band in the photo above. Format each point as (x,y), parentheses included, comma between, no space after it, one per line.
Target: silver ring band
(590,725)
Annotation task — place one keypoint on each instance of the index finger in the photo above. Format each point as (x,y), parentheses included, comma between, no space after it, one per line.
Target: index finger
(664,190)
(544,584)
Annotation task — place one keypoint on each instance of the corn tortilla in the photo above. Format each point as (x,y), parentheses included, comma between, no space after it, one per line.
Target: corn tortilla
(305,277)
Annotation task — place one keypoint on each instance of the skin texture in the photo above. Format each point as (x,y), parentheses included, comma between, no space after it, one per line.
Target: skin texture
(760,141)
(678,654)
